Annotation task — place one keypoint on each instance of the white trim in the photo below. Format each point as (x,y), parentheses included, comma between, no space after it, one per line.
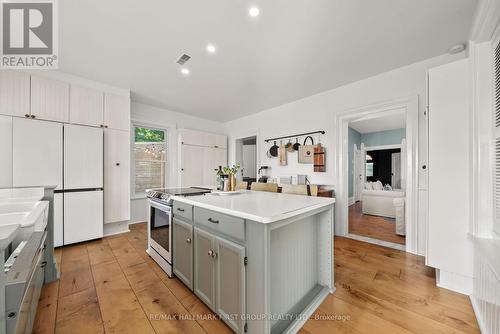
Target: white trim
(410,104)
(382,147)
(454,282)
(477,313)
(376,241)
(257,149)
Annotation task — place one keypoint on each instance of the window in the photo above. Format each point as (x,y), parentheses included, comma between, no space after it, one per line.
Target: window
(369,169)
(150,158)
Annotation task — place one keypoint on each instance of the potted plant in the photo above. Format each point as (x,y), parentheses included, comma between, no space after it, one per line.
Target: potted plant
(230,172)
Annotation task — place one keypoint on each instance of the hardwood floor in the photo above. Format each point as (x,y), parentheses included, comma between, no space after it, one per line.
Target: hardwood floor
(112,286)
(375,227)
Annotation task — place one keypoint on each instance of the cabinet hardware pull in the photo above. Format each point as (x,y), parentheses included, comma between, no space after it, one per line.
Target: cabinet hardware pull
(213,221)
(33,116)
(44,263)
(211,253)
(188,240)
(106,126)
(118,164)
(27,115)
(179,209)
(101,126)
(11,315)
(214,255)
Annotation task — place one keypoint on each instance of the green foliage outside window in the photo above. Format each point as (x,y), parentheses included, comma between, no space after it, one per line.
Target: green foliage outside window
(148,135)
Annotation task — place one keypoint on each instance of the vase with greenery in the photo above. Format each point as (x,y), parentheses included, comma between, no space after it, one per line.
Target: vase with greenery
(231,172)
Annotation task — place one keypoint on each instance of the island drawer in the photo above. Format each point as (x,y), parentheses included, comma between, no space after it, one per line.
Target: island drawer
(229,225)
(183,210)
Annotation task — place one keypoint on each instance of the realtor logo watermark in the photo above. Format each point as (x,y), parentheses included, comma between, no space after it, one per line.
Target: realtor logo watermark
(29,34)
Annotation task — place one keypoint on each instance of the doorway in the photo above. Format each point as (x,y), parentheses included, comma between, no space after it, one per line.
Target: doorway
(246,156)
(355,202)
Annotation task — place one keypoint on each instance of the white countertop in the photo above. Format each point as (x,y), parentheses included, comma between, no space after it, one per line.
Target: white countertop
(260,206)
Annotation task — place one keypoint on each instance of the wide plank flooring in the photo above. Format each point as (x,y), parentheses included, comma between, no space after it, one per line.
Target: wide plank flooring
(112,286)
(380,228)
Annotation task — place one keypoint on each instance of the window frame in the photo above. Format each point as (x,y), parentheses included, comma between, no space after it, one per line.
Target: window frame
(166,130)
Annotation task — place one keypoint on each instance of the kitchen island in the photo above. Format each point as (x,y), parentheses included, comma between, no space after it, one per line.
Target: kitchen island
(262,261)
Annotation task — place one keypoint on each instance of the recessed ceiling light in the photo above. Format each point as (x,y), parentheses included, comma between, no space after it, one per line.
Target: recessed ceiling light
(185,71)
(211,48)
(254,12)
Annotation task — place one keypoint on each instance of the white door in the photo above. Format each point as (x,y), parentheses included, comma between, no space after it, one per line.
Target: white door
(83,157)
(37,153)
(86,106)
(396,171)
(14,93)
(117,112)
(116,175)
(5,151)
(192,168)
(249,165)
(83,216)
(49,99)
(58,220)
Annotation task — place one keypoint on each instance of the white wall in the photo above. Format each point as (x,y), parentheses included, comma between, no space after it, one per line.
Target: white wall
(171,120)
(319,112)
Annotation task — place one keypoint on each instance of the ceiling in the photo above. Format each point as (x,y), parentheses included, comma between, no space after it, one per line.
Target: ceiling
(292,50)
(396,120)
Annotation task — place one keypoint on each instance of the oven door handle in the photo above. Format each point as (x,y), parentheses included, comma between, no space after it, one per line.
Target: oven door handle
(161,207)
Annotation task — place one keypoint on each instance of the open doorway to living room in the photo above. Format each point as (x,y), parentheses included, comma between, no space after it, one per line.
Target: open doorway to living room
(376,179)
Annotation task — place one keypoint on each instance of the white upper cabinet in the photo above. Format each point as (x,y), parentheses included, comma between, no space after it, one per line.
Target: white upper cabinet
(117,112)
(200,138)
(49,99)
(86,106)
(220,141)
(5,151)
(14,93)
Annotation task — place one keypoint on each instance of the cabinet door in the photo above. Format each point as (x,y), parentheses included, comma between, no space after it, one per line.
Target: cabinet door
(220,141)
(117,112)
(86,106)
(37,157)
(14,93)
(58,220)
(193,137)
(82,216)
(192,161)
(183,252)
(204,267)
(5,151)
(116,175)
(49,99)
(230,287)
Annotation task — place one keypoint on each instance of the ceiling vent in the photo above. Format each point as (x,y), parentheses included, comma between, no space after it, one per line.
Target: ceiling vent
(183,59)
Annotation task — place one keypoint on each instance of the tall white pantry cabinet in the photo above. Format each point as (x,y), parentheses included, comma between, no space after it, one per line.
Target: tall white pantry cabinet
(51,103)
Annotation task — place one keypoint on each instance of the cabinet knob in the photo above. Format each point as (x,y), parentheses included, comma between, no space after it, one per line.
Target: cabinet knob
(188,240)
(118,164)
(212,254)
(106,126)
(27,115)
(424,167)
(33,116)
(101,125)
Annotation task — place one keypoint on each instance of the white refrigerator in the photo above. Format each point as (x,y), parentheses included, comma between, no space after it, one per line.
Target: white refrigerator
(69,157)
(83,183)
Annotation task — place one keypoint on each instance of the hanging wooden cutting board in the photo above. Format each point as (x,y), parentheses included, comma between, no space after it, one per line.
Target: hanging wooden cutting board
(319,158)
(282,155)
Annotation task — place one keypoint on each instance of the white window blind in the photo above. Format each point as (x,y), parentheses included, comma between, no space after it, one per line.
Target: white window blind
(496,61)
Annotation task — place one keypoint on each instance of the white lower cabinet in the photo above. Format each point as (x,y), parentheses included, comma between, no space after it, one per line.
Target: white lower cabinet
(183,251)
(58,220)
(219,277)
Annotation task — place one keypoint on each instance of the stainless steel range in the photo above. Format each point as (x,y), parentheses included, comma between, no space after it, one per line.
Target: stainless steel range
(160,222)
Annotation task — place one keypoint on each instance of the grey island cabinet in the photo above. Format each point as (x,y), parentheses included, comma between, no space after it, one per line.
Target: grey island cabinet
(262,261)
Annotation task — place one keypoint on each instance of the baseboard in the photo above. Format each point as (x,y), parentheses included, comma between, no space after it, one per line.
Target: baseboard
(139,222)
(115,228)
(477,313)
(351,201)
(454,282)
